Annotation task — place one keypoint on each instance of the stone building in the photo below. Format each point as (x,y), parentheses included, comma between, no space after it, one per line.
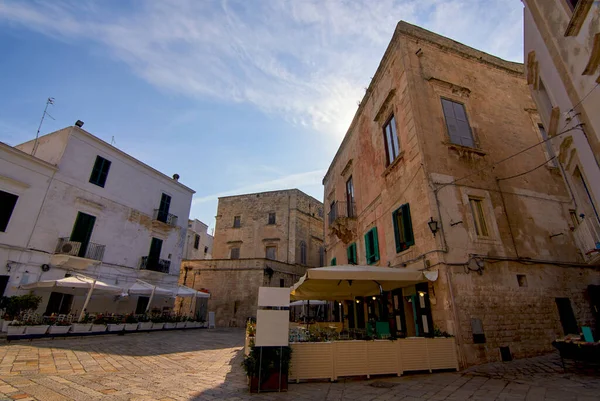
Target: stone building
(263,239)
(443,169)
(199,242)
(562,49)
(81,206)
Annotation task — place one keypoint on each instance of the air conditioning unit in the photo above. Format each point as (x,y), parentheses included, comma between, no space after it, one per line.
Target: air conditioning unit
(69,248)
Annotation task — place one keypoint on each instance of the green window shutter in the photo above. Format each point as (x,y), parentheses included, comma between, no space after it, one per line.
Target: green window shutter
(375,245)
(333,262)
(368,247)
(351,251)
(397,229)
(407,222)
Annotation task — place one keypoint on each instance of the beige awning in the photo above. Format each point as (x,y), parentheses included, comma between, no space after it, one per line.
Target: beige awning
(350,281)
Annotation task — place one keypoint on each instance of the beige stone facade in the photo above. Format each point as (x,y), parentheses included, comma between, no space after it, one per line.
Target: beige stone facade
(288,224)
(468,159)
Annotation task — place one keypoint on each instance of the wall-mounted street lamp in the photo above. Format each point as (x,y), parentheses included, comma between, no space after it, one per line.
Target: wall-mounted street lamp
(433,226)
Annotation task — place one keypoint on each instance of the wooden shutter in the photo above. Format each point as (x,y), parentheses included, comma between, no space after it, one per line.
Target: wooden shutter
(368,247)
(100,171)
(397,237)
(457,123)
(409,237)
(375,245)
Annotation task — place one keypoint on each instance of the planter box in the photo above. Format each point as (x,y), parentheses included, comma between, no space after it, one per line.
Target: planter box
(180,325)
(98,328)
(413,354)
(114,327)
(442,353)
(131,326)
(81,327)
(38,329)
(191,325)
(311,361)
(157,326)
(145,326)
(59,329)
(16,330)
(272,383)
(169,326)
(5,325)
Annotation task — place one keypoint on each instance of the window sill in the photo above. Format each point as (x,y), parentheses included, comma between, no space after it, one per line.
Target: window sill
(465,149)
(578,17)
(392,166)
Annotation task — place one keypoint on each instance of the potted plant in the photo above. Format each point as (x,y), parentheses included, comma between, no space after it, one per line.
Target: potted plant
(34,327)
(14,306)
(170,323)
(16,328)
(98,324)
(181,323)
(114,324)
(144,323)
(131,323)
(59,327)
(266,376)
(83,326)
(157,323)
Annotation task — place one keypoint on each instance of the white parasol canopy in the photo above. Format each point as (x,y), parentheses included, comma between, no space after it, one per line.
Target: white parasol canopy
(74,282)
(350,281)
(143,288)
(183,291)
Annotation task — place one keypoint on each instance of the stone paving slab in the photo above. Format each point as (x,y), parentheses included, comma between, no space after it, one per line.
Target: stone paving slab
(205,365)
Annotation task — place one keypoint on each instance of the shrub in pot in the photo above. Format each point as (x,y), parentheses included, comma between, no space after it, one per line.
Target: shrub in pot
(158,322)
(131,323)
(99,324)
(181,322)
(263,371)
(33,327)
(16,328)
(170,323)
(114,324)
(61,327)
(144,323)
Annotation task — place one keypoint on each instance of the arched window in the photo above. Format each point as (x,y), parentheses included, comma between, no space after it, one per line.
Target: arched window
(302,252)
(321,256)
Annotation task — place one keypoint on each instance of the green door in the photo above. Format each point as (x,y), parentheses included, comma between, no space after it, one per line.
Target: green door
(82,231)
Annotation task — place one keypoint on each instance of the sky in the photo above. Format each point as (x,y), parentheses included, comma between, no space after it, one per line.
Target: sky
(234,96)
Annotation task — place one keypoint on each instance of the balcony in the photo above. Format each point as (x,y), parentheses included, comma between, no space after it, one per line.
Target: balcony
(157,265)
(587,238)
(342,220)
(167,218)
(70,254)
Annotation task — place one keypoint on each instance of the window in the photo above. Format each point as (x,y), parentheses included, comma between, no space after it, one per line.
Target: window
(163,209)
(572,3)
(333,262)
(237,221)
(82,232)
(477,330)
(459,130)
(100,171)
(551,156)
(403,231)
(196,241)
(235,253)
(479,217)
(7,205)
(350,197)
(522,280)
(272,218)
(155,249)
(351,251)
(321,256)
(271,252)
(302,252)
(372,246)
(545,105)
(205,249)
(281,283)
(392,149)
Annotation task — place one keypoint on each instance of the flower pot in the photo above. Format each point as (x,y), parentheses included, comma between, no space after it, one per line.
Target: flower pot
(180,325)
(190,325)
(5,324)
(37,329)
(80,327)
(131,326)
(59,329)
(145,326)
(16,330)
(115,327)
(272,383)
(157,326)
(170,325)
(98,328)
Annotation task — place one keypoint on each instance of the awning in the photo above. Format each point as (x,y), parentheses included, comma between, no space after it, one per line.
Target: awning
(73,282)
(307,302)
(143,288)
(350,281)
(183,291)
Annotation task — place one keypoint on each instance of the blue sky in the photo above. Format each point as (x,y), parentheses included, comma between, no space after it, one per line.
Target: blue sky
(234,96)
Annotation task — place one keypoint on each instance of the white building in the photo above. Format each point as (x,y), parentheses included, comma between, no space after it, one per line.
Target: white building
(89,208)
(562,52)
(199,242)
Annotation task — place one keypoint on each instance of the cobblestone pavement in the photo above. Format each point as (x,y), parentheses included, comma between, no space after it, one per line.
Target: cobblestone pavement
(205,365)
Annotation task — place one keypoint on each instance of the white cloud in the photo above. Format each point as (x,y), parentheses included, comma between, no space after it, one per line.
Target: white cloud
(307,61)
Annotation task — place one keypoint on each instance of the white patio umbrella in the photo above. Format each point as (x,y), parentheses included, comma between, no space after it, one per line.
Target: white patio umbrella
(76,282)
(183,291)
(143,288)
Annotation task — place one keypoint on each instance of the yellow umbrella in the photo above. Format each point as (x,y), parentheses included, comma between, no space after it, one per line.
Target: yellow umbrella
(350,281)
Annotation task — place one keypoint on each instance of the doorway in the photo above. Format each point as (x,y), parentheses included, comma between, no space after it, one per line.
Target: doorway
(82,232)
(59,304)
(142,304)
(3,284)
(567,317)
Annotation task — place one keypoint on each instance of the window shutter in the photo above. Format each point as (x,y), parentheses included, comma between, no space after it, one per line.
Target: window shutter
(368,247)
(407,223)
(349,253)
(375,246)
(396,230)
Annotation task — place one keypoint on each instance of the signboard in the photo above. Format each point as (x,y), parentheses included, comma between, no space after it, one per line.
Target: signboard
(272,325)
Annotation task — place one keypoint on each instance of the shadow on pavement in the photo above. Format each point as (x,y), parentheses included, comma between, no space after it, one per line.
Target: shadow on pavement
(234,384)
(144,344)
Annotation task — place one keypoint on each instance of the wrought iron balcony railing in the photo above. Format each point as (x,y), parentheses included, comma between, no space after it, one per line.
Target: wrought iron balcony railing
(166,218)
(341,209)
(89,251)
(157,265)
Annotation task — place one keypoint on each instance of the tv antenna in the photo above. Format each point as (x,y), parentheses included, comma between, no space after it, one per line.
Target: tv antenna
(48,102)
